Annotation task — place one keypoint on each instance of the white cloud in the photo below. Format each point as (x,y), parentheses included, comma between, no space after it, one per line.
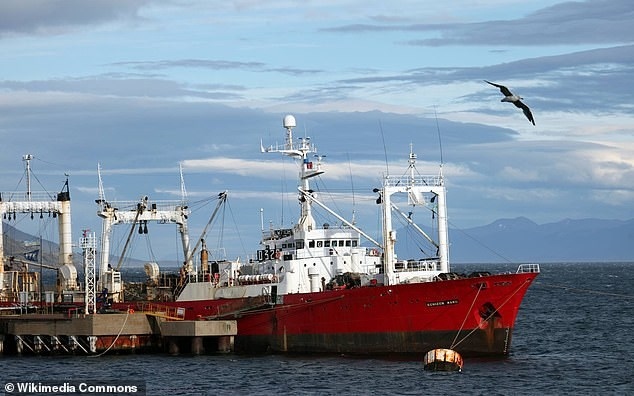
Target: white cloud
(149,84)
(63,16)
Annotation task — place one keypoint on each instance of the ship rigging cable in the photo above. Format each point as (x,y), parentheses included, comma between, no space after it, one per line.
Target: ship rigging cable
(586,290)
(491,314)
(539,283)
(453,344)
(480,243)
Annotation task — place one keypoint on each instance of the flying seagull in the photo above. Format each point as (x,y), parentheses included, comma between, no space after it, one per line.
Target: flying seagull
(515,99)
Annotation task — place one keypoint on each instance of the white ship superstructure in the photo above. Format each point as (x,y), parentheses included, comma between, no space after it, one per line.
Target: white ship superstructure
(310,258)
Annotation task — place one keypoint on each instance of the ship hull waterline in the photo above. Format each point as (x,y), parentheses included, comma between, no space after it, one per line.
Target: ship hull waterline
(474,316)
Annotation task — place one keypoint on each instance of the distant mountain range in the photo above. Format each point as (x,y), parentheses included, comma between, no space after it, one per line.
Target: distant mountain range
(18,244)
(522,240)
(518,240)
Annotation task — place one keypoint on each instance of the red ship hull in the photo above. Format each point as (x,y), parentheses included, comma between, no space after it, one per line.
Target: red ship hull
(474,316)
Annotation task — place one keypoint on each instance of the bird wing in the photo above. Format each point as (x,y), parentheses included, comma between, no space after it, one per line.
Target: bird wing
(505,91)
(526,110)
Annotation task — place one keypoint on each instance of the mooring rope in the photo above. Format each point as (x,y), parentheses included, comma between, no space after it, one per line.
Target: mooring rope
(491,314)
(585,290)
(453,344)
(117,337)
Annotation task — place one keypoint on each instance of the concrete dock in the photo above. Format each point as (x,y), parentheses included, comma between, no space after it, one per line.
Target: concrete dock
(112,332)
(196,335)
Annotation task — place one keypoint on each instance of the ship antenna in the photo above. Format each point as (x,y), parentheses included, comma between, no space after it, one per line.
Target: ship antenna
(27,164)
(283,188)
(387,169)
(183,190)
(352,185)
(439,139)
(102,194)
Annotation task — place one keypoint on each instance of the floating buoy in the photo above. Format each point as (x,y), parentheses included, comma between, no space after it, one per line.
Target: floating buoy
(442,359)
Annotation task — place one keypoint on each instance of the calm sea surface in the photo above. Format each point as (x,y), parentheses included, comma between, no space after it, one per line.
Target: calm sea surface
(574,335)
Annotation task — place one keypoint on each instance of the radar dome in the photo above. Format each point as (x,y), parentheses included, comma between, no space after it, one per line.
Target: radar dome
(289,122)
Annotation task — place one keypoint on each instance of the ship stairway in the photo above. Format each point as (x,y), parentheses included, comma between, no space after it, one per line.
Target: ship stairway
(162,311)
(179,288)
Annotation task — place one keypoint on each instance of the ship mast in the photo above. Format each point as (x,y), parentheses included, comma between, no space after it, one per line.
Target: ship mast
(140,212)
(415,186)
(307,170)
(27,160)
(41,202)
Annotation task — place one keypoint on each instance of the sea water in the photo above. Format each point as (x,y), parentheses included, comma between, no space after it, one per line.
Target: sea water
(574,335)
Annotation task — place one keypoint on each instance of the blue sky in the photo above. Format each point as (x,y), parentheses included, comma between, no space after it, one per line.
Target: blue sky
(140,86)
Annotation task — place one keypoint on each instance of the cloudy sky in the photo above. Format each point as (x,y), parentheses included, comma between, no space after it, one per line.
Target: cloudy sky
(141,86)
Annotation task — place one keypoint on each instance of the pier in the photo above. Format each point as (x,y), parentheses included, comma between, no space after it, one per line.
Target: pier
(129,332)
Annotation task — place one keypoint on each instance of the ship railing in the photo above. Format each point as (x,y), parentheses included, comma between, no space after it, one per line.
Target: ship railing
(165,205)
(164,311)
(417,265)
(418,180)
(191,278)
(528,268)
(23,196)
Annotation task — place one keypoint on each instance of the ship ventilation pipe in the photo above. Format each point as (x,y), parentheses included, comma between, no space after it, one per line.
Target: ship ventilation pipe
(65,234)
(204,258)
